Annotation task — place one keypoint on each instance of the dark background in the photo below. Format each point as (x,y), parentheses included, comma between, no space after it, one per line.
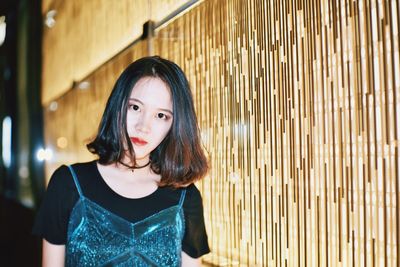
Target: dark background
(20,72)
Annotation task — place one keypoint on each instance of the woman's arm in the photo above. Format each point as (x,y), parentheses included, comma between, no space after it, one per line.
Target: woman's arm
(53,255)
(188,261)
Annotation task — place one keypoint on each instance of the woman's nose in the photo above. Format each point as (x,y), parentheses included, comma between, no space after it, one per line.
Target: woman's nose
(143,124)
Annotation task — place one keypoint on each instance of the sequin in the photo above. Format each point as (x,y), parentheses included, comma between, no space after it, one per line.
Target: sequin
(97,237)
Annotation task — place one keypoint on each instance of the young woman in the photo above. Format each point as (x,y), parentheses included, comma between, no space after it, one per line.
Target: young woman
(137,204)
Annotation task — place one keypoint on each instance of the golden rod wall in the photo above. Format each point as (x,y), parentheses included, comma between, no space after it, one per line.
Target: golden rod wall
(299,107)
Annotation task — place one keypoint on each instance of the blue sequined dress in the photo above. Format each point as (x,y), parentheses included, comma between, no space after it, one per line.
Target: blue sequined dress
(97,237)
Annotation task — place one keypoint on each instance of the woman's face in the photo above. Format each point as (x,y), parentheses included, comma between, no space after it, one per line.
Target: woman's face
(149,116)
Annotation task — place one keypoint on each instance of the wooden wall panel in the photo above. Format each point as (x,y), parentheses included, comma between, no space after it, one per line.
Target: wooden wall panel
(88,33)
(299,108)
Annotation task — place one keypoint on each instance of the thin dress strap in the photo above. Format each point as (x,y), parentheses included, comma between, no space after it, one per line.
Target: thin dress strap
(182,198)
(75,180)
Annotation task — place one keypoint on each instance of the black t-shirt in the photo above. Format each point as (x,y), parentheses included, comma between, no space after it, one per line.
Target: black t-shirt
(53,216)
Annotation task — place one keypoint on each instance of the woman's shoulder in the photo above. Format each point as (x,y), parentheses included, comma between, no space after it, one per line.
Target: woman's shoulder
(62,176)
(193,197)
(84,167)
(192,190)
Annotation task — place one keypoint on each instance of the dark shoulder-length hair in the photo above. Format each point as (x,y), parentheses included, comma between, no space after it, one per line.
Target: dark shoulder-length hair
(179,158)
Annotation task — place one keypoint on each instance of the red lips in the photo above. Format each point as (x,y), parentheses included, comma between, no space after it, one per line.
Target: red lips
(138,141)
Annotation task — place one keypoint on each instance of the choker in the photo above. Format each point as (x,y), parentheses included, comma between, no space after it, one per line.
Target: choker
(132,168)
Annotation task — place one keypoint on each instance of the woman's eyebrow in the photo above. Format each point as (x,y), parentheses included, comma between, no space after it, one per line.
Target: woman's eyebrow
(135,99)
(162,109)
(167,110)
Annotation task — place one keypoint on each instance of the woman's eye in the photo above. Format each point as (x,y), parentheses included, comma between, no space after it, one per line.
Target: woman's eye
(134,107)
(161,116)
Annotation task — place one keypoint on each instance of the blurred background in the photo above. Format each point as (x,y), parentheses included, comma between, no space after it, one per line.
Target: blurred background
(298,104)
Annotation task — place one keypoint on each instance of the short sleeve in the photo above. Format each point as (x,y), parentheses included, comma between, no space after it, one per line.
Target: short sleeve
(51,221)
(195,242)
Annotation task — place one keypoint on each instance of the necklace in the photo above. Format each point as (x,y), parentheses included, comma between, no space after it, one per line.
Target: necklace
(132,168)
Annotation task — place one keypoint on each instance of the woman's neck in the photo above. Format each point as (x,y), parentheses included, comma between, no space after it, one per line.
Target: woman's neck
(123,181)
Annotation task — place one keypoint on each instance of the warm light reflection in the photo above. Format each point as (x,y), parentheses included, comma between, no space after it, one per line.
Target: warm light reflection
(84,85)
(44,154)
(62,142)
(6,141)
(3,27)
(53,105)
(50,20)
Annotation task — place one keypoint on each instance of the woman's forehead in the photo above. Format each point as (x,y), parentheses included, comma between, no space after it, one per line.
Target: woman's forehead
(152,90)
